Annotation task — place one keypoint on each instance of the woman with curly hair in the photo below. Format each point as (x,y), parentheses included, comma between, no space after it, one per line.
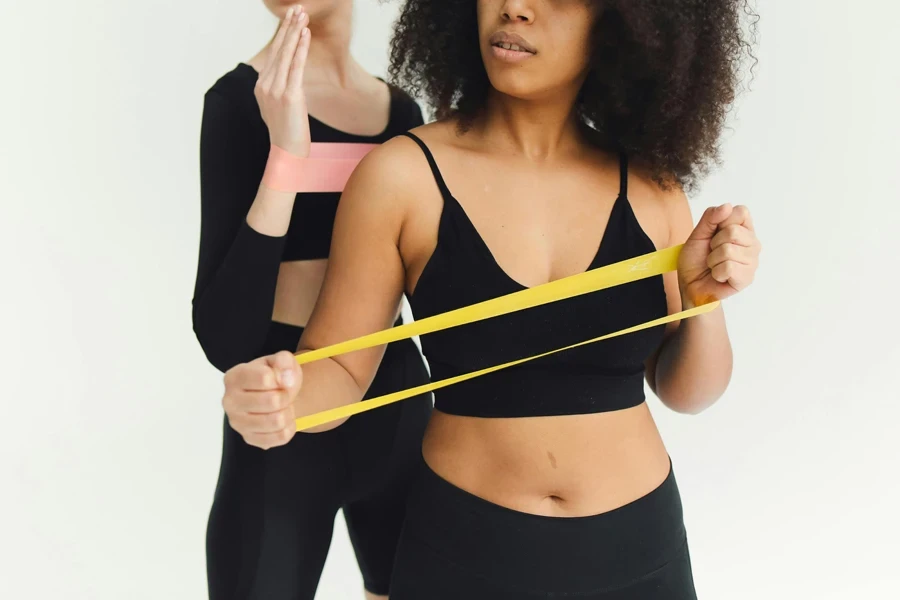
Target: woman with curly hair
(567,132)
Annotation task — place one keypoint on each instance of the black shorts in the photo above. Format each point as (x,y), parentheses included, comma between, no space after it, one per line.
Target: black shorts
(272,517)
(457,545)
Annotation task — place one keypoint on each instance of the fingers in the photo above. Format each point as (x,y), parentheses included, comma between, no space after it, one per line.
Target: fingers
(733,234)
(734,274)
(269,75)
(729,253)
(266,441)
(709,222)
(295,77)
(735,241)
(245,401)
(740,215)
(252,423)
(722,271)
(259,399)
(256,376)
(288,50)
(287,371)
(275,48)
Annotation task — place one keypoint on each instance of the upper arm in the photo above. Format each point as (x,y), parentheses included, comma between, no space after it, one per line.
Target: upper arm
(364,280)
(673,205)
(232,160)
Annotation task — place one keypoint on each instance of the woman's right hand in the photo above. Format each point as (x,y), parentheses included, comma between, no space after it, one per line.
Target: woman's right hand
(259,399)
(279,88)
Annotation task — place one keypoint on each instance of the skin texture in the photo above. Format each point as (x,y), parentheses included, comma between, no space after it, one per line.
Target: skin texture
(539,189)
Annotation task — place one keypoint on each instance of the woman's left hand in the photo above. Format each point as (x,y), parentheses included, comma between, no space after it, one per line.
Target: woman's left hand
(720,257)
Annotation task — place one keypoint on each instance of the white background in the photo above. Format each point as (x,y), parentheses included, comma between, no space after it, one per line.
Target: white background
(110,414)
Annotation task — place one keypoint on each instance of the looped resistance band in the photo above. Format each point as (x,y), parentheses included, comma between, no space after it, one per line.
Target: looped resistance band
(641,267)
(327,168)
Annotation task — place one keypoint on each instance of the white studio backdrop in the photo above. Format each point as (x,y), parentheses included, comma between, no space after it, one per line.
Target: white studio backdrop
(111,416)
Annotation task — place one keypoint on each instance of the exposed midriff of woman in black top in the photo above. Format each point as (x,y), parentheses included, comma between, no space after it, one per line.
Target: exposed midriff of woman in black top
(271,521)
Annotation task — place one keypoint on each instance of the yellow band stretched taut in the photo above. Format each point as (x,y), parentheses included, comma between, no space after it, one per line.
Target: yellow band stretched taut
(641,267)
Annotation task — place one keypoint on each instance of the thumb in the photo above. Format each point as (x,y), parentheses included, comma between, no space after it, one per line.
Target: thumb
(707,226)
(286,369)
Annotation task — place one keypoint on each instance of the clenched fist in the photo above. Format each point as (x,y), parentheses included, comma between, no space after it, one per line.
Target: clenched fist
(720,257)
(259,399)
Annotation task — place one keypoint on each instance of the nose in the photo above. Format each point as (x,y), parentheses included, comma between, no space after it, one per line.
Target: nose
(518,11)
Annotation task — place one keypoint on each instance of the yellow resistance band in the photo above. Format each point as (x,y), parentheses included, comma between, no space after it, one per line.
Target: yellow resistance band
(648,265)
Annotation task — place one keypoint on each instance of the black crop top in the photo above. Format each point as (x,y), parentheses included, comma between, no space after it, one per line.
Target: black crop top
(238,267)
(599,377)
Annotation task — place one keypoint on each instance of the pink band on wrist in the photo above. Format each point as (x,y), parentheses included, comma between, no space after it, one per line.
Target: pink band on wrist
(327,168)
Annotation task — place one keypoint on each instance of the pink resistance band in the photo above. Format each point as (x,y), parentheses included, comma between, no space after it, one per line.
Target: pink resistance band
(327,168)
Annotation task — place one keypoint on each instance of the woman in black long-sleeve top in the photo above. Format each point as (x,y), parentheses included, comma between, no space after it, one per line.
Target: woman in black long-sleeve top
(260,268)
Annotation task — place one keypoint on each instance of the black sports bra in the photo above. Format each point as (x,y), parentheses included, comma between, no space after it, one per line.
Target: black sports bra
(600,377)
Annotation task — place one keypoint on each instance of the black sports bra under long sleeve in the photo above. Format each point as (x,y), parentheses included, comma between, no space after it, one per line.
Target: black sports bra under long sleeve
(237,269)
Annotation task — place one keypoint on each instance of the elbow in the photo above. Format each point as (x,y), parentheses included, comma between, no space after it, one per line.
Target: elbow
(214,343)
(214,355)
(691,388)
(688,406)
(693,397)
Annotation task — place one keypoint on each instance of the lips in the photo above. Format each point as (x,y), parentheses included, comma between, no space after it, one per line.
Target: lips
(512,42)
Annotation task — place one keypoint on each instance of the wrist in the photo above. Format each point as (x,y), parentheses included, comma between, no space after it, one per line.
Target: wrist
(325,168)
(687,302)
(287,151)
(283,169)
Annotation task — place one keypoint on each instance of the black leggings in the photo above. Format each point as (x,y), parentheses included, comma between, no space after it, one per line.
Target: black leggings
(456,545)
(271,522)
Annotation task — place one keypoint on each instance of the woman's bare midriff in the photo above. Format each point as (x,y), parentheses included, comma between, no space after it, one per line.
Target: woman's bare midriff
(565,466)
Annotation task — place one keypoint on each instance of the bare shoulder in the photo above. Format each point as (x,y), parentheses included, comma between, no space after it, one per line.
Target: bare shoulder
(399,162)
(388,174)
(393,190)
(662,211)
(398,168)
(416,191)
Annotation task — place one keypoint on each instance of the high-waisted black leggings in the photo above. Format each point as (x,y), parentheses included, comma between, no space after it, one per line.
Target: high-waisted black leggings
(456,545)
(271,522)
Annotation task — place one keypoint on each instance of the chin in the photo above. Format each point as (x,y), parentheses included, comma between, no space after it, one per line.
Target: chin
(517,80)
(516,85)
(510,86)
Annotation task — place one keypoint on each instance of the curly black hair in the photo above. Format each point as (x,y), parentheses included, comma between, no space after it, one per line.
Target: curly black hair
(663,75)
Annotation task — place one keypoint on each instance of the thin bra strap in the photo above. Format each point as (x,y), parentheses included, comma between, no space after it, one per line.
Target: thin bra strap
(445,191)
(623,175)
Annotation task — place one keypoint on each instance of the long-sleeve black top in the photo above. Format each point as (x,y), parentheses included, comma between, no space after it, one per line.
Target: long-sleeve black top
(237,270)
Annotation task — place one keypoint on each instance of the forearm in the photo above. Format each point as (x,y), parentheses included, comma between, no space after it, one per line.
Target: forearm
(695,364)
(242,237)
(270,213)
(326,385)
(232,305)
